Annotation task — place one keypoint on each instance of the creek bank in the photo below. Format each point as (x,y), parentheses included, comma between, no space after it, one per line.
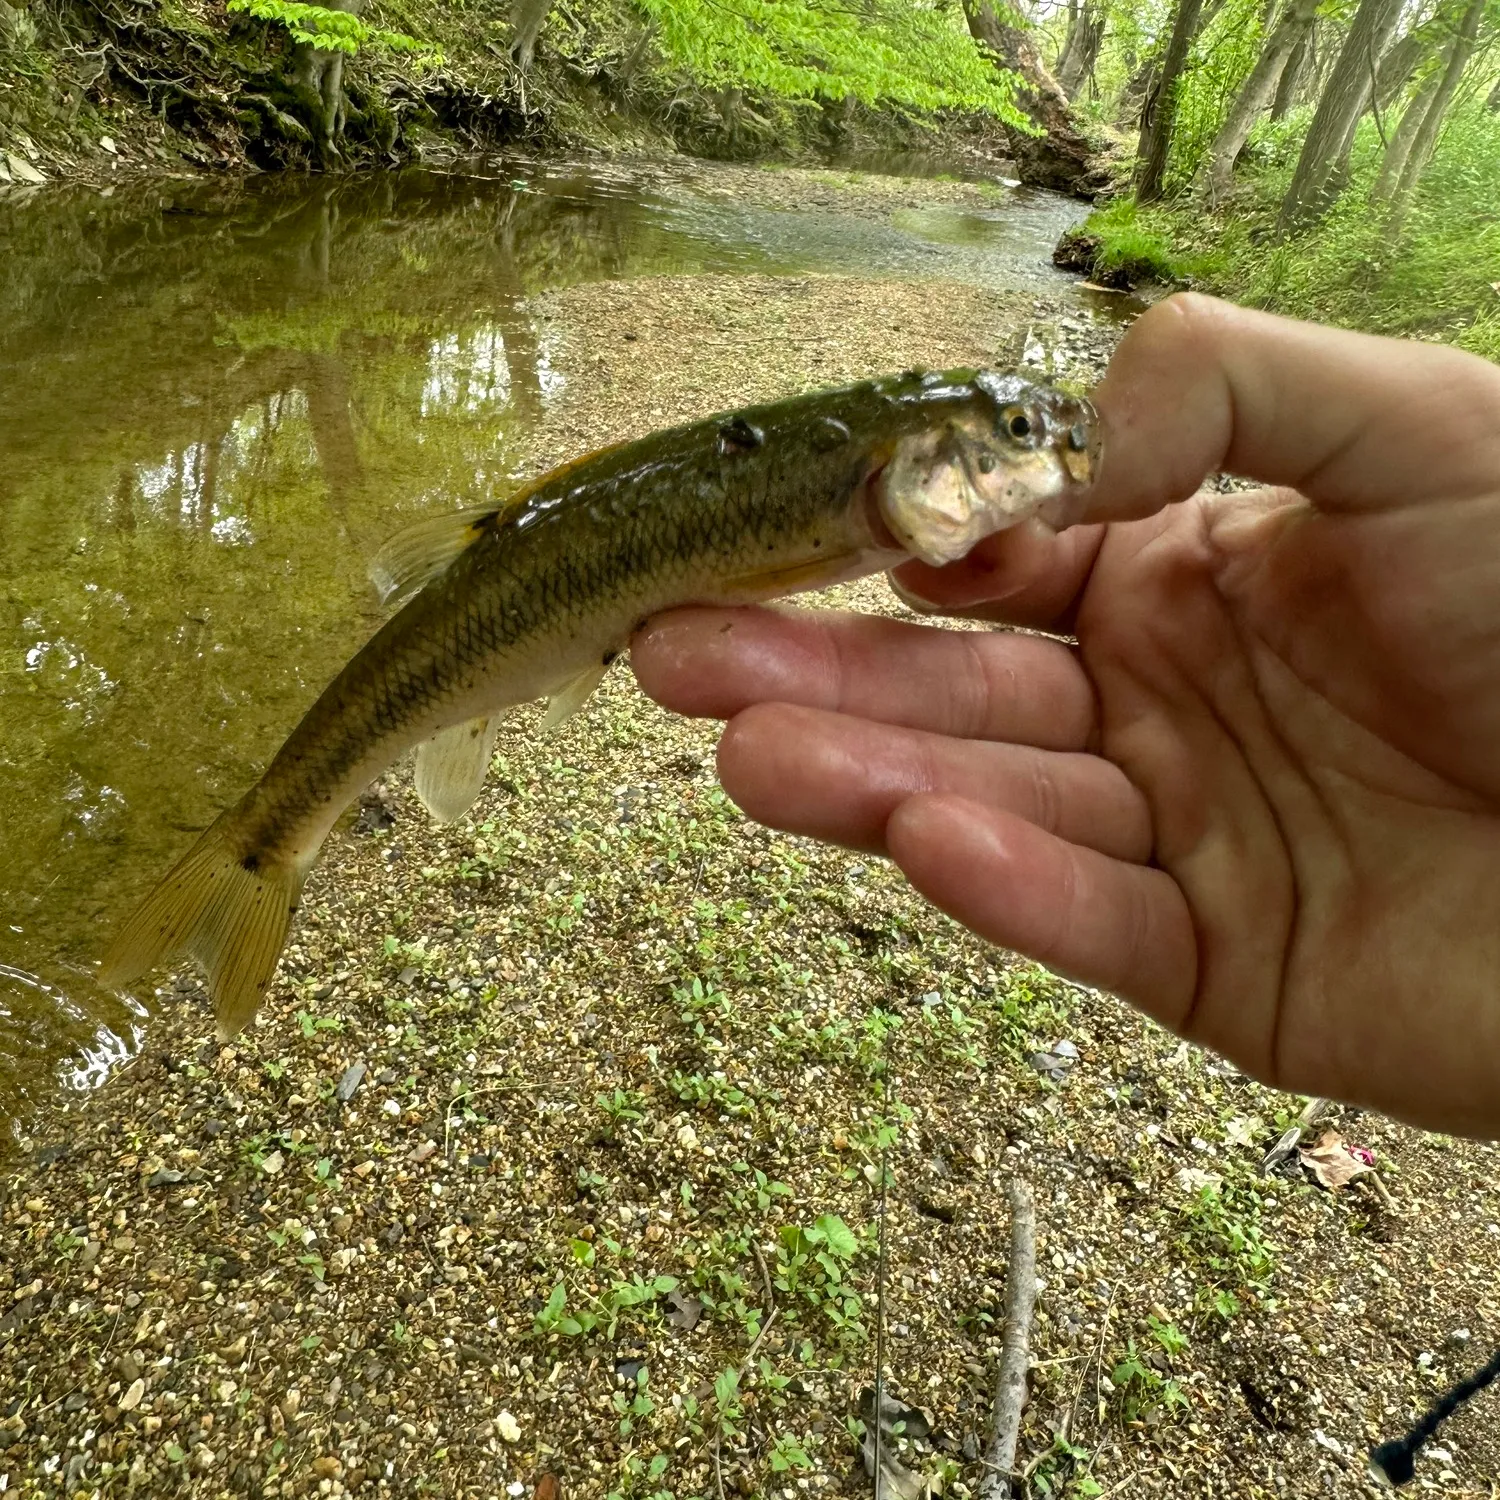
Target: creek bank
(613,1035)
(96,93)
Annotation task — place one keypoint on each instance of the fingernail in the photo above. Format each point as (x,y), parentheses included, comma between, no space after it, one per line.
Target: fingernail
(908,598)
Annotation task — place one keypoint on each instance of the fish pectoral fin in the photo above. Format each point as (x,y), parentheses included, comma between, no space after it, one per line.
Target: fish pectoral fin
(792,579)
(227,908)
(415,556)
(571,696)
(451,766)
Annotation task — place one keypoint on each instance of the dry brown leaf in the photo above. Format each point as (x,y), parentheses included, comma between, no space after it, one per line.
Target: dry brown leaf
(1332,1162)
(549,1487)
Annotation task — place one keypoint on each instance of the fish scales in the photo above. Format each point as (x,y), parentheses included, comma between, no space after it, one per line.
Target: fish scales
(534,599)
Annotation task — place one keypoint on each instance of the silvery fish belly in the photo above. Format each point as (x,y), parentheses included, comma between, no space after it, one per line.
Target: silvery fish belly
(536,597)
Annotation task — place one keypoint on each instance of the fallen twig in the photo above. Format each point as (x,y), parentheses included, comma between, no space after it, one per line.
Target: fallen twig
(745,1365)
(765,1277)
(1020,1306)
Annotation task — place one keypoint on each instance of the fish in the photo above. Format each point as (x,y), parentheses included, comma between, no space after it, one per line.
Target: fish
(534,598)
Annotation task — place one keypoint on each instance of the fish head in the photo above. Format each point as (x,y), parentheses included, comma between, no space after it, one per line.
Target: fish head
(1000,450)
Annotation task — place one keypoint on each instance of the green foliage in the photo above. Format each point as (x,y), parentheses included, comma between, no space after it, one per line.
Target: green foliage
(1429,275)
(901,52)
(331,30)
(1220,61)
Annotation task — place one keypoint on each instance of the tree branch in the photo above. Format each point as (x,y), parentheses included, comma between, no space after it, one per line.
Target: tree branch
(1020,1307)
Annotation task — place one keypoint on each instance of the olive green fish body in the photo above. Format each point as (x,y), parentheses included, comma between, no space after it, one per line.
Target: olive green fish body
(534,599)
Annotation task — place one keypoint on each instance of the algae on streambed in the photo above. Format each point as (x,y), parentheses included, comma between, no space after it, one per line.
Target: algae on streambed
(621,1098)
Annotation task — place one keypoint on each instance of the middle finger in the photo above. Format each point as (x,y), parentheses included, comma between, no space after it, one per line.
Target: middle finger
(838,778)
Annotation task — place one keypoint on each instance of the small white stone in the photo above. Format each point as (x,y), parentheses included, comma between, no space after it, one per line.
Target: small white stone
(687,1138)
(132,1398)
(273,1164)
(508,1428)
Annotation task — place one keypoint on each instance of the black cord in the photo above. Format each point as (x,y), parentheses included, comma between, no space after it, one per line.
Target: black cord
(1397,1459)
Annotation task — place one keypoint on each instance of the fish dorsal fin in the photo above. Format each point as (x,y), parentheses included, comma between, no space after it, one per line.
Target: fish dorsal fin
(452,766)
(416,555)
(571,696)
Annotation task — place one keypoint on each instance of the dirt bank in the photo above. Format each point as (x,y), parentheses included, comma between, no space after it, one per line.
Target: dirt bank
(607,1037)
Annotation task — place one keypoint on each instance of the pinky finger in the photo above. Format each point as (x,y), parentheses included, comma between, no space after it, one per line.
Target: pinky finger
(1120,927)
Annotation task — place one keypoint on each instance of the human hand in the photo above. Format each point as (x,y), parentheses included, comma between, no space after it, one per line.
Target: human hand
(1260,798)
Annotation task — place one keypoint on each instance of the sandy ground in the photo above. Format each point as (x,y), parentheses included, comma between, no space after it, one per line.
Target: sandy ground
(548,1169)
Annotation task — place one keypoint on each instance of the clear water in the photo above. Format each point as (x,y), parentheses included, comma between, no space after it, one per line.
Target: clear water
(211,396)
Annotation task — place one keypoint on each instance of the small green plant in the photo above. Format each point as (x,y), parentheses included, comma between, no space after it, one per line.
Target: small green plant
(812,1265)
(1065,1472)
(623,1106)
(787,1453)
(634,1405)
(1223,1235)
(598,1314)
(1144,1392)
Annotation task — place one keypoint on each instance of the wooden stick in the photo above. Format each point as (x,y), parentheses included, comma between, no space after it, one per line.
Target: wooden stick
(1020,1307)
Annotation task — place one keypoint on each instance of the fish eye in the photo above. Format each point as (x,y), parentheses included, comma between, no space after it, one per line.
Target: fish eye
(1017,424)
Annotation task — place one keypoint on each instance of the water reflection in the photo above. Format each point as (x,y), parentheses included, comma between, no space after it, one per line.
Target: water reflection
(216,401)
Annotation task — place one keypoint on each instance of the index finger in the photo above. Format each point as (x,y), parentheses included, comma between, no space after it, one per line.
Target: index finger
(1351,421)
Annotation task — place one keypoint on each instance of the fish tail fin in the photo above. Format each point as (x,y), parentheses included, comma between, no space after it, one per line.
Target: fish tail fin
(226,906)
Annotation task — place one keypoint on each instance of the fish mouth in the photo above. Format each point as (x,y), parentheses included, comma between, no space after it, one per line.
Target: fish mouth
(1080,450)
(872,502)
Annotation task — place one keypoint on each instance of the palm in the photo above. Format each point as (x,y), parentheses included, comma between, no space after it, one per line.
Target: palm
(1261,796)
(1294,698)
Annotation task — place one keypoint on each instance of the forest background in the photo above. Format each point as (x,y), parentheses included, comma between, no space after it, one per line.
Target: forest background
(1334,159)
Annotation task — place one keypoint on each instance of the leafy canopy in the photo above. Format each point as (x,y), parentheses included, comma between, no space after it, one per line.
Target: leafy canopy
(328,30)
(915,54)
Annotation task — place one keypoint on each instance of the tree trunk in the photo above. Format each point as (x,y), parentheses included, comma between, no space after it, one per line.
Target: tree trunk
(1291,78)
(1078,66)
(319,78)
(1400,62)
(1295,23)
(1426,134)
(527,17)
(1061,157)
(1493,102)
(1344,99)
(1399,149)
(1161,109)
(1138,88)
(1061,60)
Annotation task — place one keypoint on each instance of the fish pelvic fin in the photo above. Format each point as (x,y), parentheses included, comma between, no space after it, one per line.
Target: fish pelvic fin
(451,767)
(412,558)
(571,696)
(227,908)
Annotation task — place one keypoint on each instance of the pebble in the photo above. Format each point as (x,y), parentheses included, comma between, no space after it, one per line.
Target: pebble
(508,1428)
(353,1076)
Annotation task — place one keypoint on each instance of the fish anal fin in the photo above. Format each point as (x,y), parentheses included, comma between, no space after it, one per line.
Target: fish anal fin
(416,555)
(227,909)
(451,766)
(571,696)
